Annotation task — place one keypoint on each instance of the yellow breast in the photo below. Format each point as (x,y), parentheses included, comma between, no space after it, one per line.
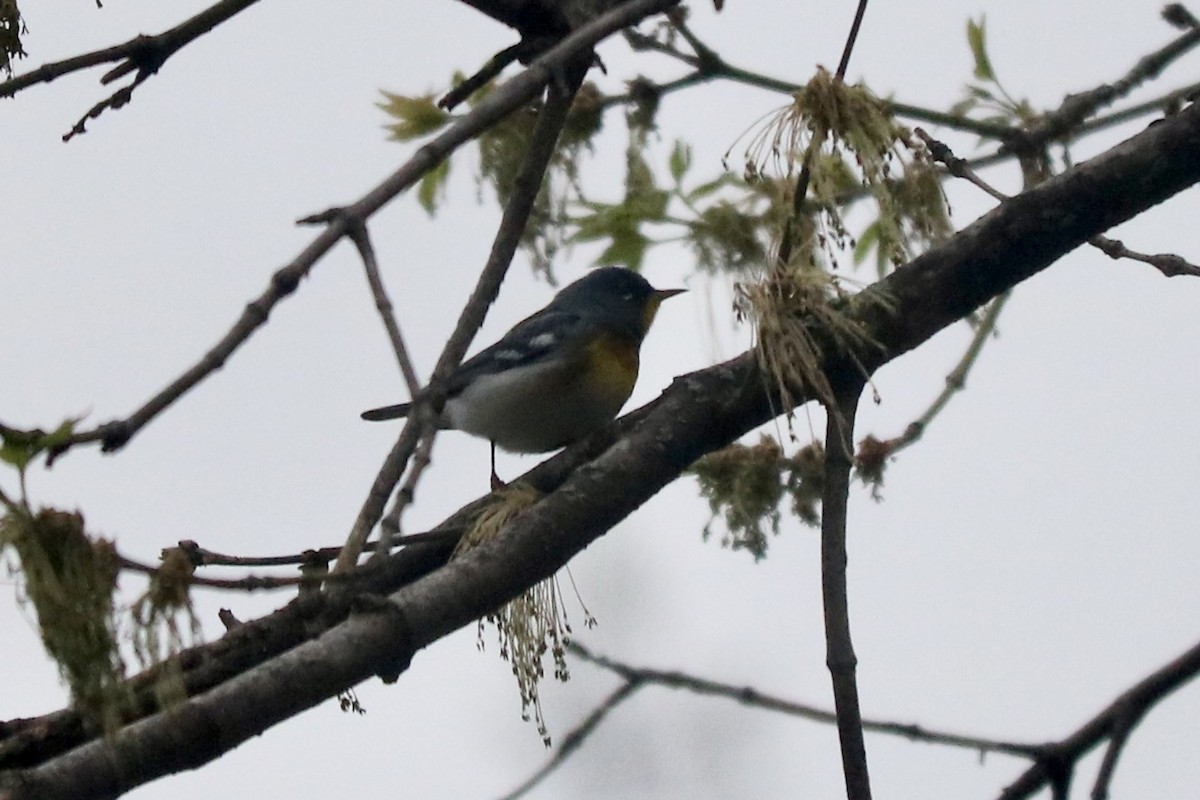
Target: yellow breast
(612,369)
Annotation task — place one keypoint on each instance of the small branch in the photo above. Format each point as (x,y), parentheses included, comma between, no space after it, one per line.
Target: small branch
(494,66)
(959,168)
(141,54)
(249,583)
(753,698)
(956,379)
(577,736)
(356,231)
(711,66)
(390,525)
(202,557)
(1178,15)
(851,38)
(1168,264)
(1132,705)
(1162,104)
(117,99)
(1123,726)
(1067,118)
(800,193)
(839,650)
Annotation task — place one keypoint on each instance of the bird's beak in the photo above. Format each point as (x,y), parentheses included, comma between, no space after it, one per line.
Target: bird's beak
(656,298)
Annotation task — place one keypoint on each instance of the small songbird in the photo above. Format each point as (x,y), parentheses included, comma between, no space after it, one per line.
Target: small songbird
(559,374)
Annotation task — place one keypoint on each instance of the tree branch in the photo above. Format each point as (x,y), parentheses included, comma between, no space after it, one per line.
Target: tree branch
(839,649)
(752,698)
(577,736)
(143,54)
(1113,723)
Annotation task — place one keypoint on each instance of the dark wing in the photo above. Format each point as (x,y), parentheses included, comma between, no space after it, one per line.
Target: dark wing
(530,341)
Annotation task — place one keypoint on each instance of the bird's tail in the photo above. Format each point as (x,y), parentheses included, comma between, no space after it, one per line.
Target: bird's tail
(387,412)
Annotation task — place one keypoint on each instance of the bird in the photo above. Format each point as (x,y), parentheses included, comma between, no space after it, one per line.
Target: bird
(559,374)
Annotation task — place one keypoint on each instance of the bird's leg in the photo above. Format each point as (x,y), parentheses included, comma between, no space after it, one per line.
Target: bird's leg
(496,482)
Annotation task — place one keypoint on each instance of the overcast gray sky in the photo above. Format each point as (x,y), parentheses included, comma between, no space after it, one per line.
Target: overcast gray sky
(1032,557)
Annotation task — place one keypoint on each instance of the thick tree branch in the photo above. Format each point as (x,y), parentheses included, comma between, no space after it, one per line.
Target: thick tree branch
(648,449)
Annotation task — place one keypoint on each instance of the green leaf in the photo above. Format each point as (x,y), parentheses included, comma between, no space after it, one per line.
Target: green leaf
(867,240)
(681,160)
(646,207)
(18,447)
(705,189)
(980,93)
(16,454)
(594,226)
(415,116)
(59,435)
(977,39)
(433,187)
(627,249)
(961,108)
(638,176)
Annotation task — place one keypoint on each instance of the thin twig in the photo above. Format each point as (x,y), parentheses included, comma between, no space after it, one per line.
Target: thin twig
(839,649)
(203,557)
(360,236)
(941,153)
(390,524)
(577,736)
(800,193)
(1162,104)
(1076,108)
(383,304)
(851,38)
(143,54)
(131,51)
(751,697)
(1122,727)
(316,559)
(497,105)
(357,232)
(713,66)
(1137,700)
(1168,264)
(494,66)
(956,379)
(249,583)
